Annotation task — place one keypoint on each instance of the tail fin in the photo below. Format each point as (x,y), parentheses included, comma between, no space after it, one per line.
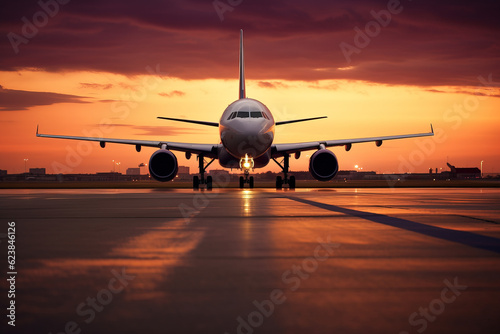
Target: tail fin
(242,68)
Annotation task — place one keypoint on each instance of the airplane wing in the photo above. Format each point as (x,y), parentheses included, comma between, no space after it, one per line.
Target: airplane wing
(279,150)
(208,150)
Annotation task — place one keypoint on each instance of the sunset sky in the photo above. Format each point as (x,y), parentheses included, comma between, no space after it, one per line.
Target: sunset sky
(373,67)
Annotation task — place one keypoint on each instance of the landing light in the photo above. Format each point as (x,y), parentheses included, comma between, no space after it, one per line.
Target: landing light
(246,162)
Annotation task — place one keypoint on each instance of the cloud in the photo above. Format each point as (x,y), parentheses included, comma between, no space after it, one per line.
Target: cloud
(95,86)
(331,86)
(484,92)
(272,84)
(172,93)
(163,131)
(11,99)
(427,44)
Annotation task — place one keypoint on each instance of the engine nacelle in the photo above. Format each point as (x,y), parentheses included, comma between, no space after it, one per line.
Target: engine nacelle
(163,165)
(323,165)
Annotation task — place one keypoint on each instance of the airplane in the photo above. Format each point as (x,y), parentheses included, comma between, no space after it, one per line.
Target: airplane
(246,130)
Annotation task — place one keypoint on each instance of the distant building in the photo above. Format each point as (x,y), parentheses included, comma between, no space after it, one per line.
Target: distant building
(133,171)
(182,174)
(355,175)
(215,172)
(107,176)
(37,171)
(3,172)
(183,170)
(464,173)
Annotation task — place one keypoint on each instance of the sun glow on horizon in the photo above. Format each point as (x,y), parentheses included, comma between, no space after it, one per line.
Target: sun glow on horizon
(84,103)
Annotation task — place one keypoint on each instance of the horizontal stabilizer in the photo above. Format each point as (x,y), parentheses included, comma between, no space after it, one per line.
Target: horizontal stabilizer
(299,120)
(190,121)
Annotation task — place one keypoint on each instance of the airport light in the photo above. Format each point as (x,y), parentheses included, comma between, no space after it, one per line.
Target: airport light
(25,165)
(113,166)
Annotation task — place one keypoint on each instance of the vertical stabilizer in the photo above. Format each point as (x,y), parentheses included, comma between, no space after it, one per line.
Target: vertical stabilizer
(242,68)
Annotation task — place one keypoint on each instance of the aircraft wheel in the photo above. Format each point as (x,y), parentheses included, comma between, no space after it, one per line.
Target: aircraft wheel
(209,183)
(291,182)
(251,182)
(242,182)
(196,182)
(279,182)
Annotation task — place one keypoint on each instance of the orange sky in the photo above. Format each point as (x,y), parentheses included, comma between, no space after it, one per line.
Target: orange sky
(354,109)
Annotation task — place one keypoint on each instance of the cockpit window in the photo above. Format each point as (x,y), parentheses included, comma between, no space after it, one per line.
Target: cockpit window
(243,114)
(247,114)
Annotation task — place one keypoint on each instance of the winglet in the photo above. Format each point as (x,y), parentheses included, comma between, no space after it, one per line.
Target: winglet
(37,130)
(432,130)
(242,68)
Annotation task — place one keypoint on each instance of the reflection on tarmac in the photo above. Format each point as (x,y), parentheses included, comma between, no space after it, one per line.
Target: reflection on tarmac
(222,268)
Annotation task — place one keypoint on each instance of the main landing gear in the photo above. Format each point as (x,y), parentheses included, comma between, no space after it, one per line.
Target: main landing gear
(285,168)
(200,180)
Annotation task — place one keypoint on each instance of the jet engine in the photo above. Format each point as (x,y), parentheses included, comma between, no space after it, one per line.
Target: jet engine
(323,165)
(163,165)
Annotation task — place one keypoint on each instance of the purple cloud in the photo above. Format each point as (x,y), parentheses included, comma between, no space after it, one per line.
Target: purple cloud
(11,99)
(426,44)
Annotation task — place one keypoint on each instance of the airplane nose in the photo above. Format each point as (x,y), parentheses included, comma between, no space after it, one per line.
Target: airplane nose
(247,142)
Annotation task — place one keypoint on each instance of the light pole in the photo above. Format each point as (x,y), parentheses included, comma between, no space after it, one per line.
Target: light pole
(25,165)
(481,168)
(113,166)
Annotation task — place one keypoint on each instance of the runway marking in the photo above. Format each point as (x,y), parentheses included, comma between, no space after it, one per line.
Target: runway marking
(463,237)
(480,219)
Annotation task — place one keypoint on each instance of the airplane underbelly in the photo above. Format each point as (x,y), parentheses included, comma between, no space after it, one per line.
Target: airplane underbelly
(227,160)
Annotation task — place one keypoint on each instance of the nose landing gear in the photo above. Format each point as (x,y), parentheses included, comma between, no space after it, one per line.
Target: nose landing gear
(246,179)
(246,164)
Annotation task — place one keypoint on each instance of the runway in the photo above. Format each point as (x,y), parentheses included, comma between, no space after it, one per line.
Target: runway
(254,261)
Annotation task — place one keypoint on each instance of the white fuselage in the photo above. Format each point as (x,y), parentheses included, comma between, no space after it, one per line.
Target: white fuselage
(247,129)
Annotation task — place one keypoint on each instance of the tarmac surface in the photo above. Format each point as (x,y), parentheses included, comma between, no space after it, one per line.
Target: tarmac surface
(253,261)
